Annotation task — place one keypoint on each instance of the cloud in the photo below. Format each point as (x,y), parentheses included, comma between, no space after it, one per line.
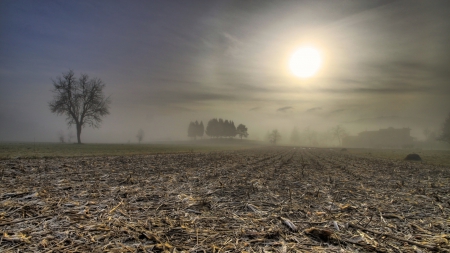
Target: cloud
(233,45)
(255,108)
(187,97)
(373,119)
(337,111)
(285,109)
(314,109)
(379,90)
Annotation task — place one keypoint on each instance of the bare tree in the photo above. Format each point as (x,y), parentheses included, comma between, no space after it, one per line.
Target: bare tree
(295,136)
(325,138)
(61,137)
(430,134)
(339,132)
(242,131)
(140,135)
(430,137)
(81,100)
(445,135)
(274,136)
(70,137)
(311,136)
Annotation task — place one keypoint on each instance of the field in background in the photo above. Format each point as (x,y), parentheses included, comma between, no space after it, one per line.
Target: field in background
(40,150)
(435,157)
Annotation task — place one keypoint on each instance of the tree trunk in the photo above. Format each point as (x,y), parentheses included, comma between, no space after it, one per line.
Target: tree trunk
(79,133)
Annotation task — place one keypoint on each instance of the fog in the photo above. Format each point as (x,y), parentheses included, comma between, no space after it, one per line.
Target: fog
(167,63)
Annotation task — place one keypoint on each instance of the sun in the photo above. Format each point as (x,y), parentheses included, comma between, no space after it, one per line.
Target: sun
(305,62)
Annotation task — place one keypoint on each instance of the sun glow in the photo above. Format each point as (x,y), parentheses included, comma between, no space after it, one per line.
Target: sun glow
(305,62)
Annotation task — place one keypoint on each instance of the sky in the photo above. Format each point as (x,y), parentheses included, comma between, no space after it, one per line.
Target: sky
(166,63)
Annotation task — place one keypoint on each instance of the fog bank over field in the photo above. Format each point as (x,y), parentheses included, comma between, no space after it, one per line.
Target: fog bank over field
(165,64)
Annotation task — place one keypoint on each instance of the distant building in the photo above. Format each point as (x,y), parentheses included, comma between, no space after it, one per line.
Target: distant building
(383,138)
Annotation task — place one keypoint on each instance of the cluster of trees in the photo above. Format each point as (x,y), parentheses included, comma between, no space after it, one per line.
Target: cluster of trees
(313,138)
(309,136)
(217,128)
(220,128)
(196,130)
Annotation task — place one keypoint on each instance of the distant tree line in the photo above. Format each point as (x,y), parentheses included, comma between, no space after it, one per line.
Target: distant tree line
(196,130)
(310,137)
(217,128)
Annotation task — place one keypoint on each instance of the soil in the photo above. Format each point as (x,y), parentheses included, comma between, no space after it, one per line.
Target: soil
(276,199)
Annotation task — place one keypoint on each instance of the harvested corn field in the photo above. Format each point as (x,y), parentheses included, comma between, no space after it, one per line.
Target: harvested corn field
(257,200)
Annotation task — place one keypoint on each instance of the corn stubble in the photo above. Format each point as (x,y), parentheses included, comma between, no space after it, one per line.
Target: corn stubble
(264,199)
